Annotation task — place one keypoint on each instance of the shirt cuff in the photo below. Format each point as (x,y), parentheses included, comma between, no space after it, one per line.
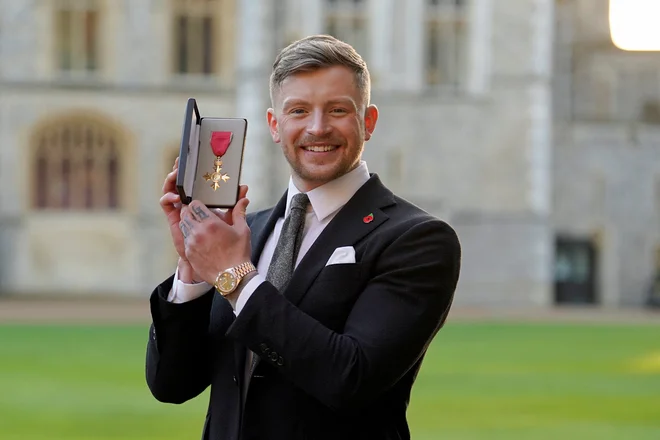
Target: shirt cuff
(183,292)
(247,292)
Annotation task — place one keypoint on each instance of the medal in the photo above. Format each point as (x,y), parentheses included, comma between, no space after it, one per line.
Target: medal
(220,141)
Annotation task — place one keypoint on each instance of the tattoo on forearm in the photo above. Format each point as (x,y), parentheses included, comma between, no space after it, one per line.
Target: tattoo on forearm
(200,212)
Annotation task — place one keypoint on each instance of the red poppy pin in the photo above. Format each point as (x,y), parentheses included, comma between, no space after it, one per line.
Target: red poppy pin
(368,219)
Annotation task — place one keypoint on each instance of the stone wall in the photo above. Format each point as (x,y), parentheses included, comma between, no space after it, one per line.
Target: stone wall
(607,151)
(479,158)
(607,189)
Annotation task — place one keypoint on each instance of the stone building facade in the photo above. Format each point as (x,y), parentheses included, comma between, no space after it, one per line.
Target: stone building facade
(606,158)
(480,124)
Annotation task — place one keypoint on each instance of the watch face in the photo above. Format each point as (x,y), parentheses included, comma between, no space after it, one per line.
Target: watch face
(227,282)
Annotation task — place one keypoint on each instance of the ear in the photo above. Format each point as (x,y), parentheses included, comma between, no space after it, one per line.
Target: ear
(273,125)
(370,119)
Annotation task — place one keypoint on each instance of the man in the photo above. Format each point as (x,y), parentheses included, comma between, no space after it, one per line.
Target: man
(331,350)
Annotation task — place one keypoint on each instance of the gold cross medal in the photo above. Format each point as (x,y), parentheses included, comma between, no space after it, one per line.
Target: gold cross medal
(220,141)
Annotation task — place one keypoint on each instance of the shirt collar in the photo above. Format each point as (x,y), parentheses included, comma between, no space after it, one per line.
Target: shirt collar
(330,197)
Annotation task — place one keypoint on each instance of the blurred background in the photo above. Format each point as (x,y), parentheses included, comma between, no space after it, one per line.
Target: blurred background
(531,126)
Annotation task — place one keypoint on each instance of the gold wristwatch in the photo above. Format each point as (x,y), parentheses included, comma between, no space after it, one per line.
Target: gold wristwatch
(228,280)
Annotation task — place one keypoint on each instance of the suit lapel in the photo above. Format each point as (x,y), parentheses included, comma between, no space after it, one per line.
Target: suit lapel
(347,228)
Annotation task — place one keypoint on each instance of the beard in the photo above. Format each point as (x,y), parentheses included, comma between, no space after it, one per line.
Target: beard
(323,173)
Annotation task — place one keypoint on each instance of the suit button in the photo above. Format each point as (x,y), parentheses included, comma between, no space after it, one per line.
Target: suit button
(235,380)
(273,356)
(280,361)
(264,348)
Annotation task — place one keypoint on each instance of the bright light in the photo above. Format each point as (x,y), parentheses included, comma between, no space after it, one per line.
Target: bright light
(635,24)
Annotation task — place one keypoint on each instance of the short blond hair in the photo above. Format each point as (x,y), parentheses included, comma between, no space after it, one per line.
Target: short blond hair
(317,52)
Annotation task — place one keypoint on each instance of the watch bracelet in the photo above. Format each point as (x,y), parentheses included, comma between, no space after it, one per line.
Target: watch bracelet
(244,268)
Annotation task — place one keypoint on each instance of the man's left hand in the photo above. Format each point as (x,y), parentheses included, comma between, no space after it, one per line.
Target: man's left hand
(211,244)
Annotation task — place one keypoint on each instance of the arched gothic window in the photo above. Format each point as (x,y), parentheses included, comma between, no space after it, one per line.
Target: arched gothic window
(76,166)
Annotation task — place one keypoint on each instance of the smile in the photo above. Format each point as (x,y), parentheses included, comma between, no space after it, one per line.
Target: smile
(320,148)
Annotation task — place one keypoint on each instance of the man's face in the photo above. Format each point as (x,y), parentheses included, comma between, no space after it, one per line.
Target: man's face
(320,120)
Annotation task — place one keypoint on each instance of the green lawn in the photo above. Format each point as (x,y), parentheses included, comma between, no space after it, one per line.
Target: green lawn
(479,381)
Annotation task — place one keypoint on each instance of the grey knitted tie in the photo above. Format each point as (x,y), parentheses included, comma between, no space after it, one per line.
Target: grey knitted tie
(288,245)
(286,253)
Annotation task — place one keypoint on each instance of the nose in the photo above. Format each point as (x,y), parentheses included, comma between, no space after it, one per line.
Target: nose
(318,124)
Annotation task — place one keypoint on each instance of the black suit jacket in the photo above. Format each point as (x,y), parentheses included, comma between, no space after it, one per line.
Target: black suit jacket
(340,347)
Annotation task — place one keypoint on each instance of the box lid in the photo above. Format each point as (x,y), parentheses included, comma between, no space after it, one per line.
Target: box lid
(188,151)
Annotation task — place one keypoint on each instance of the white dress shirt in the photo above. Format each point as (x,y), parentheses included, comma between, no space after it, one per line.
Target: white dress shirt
(325,203)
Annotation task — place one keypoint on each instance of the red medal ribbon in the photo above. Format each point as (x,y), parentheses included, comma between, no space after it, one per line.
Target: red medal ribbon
(220,141)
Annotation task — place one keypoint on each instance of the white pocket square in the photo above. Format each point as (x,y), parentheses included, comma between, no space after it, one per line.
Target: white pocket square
(342,255)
